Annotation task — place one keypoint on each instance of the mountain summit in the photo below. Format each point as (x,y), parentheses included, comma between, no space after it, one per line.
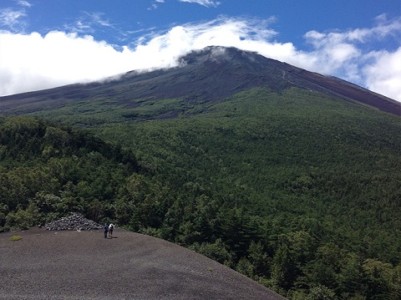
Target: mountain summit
(236,70)
(211,74)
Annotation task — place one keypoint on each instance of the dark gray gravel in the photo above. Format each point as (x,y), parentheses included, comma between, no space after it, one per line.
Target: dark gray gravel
(85,265)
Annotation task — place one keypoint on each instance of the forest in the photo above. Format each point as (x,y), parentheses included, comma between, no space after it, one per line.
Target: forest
(297,191)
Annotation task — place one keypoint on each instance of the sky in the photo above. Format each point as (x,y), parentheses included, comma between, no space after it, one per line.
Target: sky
(49,43)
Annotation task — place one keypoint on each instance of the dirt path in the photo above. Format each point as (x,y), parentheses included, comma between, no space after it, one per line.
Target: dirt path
(85,265)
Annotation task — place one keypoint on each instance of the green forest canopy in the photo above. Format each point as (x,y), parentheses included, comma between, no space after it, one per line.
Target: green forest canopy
(298,191)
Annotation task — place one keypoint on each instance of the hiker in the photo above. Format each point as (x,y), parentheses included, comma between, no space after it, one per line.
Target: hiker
(106,230)
(111,227)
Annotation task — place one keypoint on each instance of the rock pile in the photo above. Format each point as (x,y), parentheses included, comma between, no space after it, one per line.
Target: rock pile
(73,222)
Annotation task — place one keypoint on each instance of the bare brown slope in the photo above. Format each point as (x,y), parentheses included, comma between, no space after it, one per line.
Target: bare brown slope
(85,265)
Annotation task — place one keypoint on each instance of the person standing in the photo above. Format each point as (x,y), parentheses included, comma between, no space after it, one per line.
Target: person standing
(111,227)
(106,230)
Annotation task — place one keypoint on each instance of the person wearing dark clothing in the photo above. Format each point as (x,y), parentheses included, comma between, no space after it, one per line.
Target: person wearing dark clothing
(106,230)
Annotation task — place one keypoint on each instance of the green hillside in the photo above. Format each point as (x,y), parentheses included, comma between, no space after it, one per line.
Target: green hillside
(297,190)
(48,171)
(314,181)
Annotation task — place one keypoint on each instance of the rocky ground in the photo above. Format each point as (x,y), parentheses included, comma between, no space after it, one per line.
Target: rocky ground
(48,264)
(74,221)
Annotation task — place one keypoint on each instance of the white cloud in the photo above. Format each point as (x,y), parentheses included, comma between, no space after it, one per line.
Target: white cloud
(384,75)
(344,54)
(34,61)
(381,30)
(24,3)
(12,19)
(98,18)
(205,3)
(156,4)
(88,22)
(31,62)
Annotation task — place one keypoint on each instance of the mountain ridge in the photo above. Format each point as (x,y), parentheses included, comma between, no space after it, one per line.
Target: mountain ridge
(207,75)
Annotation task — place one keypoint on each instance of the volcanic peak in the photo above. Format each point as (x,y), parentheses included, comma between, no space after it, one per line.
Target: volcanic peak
(208,75)
(216,54)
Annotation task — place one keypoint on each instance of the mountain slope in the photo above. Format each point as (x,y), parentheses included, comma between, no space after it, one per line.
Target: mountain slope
(254,163)
(204,76)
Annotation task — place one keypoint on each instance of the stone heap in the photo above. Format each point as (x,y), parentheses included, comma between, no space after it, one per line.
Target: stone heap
(73,222)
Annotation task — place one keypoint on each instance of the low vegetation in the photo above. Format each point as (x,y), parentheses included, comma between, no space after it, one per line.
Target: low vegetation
(15,238)
(297,190)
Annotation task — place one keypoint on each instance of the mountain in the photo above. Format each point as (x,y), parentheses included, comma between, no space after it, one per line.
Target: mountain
(209,75)
(256,164)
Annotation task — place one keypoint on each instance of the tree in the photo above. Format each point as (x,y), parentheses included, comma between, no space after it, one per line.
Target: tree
(321,292)
(259,259)
(237,230)
(282,269)
(379,276)
(217,251)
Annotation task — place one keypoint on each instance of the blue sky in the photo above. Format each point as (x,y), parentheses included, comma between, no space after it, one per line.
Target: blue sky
(47,43)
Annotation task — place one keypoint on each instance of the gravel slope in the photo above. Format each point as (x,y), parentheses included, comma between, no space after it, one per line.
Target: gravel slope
(85,265)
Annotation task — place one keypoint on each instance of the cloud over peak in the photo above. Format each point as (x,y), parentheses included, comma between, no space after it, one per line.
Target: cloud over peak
(37,61)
